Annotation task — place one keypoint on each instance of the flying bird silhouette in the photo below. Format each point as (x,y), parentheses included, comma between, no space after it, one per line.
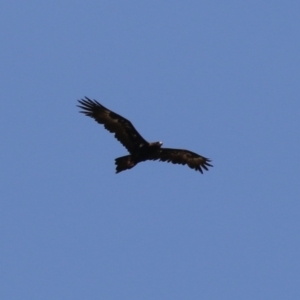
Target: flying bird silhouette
(139,149)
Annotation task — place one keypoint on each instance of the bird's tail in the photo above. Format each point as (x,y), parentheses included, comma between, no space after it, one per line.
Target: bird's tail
(124,163)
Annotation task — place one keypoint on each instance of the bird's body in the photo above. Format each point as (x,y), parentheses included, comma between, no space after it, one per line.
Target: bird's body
(138,148)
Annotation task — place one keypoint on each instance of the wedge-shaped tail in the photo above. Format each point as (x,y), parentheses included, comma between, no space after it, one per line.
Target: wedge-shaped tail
(124,163)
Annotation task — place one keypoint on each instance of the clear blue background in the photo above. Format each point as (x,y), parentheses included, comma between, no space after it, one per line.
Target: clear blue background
(221,78)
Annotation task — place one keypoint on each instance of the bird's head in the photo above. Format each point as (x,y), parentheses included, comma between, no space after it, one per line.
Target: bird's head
(156,144)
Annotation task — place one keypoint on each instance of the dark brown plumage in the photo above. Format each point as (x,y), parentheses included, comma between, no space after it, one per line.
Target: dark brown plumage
(139,149)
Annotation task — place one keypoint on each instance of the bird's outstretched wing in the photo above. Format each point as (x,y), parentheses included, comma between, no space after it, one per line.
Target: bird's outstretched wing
(123,130)
(183,157)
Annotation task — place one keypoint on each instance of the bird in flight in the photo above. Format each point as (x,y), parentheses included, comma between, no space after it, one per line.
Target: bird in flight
(139,149)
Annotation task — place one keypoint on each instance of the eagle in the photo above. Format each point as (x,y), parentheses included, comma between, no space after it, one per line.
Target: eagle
(139,149)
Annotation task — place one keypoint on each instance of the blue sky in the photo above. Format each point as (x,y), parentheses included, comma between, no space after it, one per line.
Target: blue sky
(218,78)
